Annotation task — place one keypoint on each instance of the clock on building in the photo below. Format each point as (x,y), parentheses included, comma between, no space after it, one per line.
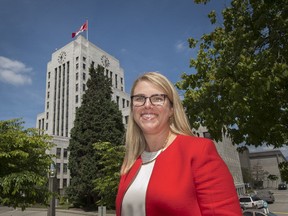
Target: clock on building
(62,57)
(105,61)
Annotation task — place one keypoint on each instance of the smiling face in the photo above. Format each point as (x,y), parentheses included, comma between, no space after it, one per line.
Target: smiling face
(150,118)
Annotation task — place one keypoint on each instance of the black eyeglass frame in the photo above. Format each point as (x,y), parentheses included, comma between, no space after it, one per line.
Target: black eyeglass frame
(142,96)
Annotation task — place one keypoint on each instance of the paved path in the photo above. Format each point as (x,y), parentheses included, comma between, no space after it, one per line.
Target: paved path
(5,211)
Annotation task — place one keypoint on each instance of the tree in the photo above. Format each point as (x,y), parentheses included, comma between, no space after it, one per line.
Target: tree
(98,119)
(24,165)
(258,175)
(106,185)
(240,87)
(283,167)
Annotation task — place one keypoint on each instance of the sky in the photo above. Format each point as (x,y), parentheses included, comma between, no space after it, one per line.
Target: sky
(144,35)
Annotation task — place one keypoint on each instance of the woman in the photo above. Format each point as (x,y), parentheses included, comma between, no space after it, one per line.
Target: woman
(166,170)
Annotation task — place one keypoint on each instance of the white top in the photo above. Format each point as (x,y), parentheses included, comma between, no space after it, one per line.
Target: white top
(134,198)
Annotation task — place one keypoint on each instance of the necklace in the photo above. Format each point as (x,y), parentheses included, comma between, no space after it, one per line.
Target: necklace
(148,157)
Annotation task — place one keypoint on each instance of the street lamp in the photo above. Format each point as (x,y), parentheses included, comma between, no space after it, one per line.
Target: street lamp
(52,183)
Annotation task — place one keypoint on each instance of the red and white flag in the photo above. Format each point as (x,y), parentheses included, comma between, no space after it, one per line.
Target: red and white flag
(84,27)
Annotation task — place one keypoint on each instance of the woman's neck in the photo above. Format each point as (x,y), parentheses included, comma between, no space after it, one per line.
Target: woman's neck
(157,142)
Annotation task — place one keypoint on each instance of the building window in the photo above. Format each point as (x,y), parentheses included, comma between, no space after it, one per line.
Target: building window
(49,74)
(76,87)
(77,58)
(48,84)
(65,154)
(123,103)
(58,165)
(84,87)
(77,66)
(64,183)
(76,98)
(207,135)
(84,59)
(48,95)
(117,100)
(58,152)
(47,115)
(84,76)
(46,126)
(47,107)
(65,168)
(126,119)
(116,81)
(77,76)
(84,66)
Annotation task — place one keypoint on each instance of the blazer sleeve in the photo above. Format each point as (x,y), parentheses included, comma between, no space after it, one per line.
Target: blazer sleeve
(215,189)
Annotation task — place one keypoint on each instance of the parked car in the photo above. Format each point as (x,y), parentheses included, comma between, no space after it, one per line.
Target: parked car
(251,202)
(282,186)
(266,195)
(257,212)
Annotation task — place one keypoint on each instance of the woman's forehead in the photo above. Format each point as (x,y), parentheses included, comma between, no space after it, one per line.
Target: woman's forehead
(144,86)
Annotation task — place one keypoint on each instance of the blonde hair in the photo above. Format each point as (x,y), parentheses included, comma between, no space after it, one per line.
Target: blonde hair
(135,140)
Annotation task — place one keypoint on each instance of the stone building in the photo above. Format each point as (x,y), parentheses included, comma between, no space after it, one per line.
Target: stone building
(66,77)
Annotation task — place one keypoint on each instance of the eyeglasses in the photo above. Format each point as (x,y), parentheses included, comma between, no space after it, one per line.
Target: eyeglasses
(156,100)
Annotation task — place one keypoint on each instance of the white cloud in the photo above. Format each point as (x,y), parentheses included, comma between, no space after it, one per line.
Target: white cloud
(14,72)
(181,46)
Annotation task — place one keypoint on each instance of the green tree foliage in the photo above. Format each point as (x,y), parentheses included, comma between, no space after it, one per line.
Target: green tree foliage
(24,165)
(283,167)
(106,185)
(240,87)
(97,120)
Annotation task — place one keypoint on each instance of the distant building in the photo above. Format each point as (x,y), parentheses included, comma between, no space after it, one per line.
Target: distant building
(66,77)
(268,161)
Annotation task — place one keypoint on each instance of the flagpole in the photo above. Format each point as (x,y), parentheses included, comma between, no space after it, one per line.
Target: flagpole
(87,28)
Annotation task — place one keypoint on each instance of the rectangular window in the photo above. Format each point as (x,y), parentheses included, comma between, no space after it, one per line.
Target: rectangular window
(76,99)
(117,100)
(65,155)
(58,152)
(65,168)
(207,135)
(58,168)
(64,183)
(123,103)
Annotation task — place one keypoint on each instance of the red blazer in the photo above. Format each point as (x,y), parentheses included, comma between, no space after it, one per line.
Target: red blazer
(189,178)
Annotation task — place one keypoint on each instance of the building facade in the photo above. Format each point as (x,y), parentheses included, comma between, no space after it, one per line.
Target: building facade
(66,78)
(267,161)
